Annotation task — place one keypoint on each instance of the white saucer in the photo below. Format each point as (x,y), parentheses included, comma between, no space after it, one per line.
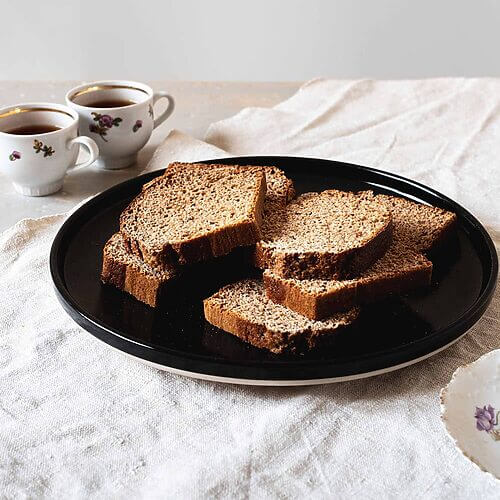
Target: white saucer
(470,410)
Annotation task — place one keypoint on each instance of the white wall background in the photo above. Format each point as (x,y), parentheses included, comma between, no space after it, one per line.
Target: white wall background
(248,39)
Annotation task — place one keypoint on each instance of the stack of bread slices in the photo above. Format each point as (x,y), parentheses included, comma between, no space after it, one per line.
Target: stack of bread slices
(323,254)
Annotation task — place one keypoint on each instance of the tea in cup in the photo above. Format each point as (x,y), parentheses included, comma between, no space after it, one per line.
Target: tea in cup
(119,116)
(39,144)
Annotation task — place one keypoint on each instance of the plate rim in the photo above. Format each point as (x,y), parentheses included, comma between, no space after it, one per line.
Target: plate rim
(281,382)
(444,398)
(94,326)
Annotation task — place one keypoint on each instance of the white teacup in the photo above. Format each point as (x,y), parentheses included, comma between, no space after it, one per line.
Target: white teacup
(119,116)
(39,144)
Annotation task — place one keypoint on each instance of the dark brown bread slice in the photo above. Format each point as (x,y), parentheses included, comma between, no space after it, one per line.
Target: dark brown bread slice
(327,235)
(280,188)
(417,228)
(243,309)
(130,274)
(191,214)
(397,271)
(423,227)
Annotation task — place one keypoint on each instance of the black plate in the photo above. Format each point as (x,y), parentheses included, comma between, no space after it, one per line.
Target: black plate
(392,333)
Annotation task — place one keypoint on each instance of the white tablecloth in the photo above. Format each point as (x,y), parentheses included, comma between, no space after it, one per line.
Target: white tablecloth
(79,420)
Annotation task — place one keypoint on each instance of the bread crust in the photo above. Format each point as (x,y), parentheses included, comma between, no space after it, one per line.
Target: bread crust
(144,286)
(248,331)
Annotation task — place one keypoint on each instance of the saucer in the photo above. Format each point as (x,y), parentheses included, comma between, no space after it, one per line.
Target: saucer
(470,411)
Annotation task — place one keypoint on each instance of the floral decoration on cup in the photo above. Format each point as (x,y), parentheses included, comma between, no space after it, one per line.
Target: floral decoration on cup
(15,155)
(487,421)
(40,147)
(103,123)
(137,125)
(150,112)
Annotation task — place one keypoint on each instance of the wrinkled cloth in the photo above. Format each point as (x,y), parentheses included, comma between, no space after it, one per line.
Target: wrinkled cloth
(80,420)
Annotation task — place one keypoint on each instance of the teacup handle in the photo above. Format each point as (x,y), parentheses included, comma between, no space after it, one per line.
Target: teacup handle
(170,108)
(90,144)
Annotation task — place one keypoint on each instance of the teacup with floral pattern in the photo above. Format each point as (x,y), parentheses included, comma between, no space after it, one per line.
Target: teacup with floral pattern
(36,162)
(119,116)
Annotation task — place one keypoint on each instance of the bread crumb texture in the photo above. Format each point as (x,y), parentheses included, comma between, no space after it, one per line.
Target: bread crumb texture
(280,189)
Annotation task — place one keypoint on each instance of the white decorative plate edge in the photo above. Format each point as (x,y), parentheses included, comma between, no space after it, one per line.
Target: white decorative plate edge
(443,398)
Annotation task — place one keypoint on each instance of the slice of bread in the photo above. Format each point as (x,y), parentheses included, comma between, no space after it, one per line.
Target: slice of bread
(417,228)
(191,214)
(243,309)
(280,188)
(130,274)
(422,227)
(329,235)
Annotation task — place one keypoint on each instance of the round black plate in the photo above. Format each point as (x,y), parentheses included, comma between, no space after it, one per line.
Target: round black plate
(390,334)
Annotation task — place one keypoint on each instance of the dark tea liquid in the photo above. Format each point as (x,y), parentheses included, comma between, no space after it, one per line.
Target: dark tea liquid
(32,129)
(110,103)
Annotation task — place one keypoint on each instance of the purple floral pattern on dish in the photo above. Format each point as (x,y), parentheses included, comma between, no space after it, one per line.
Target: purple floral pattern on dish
(40,147)
(103,124)
(15,155)
(137,125)
(486,420)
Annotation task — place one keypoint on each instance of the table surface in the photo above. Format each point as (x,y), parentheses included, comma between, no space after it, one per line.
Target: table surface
(197,105)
